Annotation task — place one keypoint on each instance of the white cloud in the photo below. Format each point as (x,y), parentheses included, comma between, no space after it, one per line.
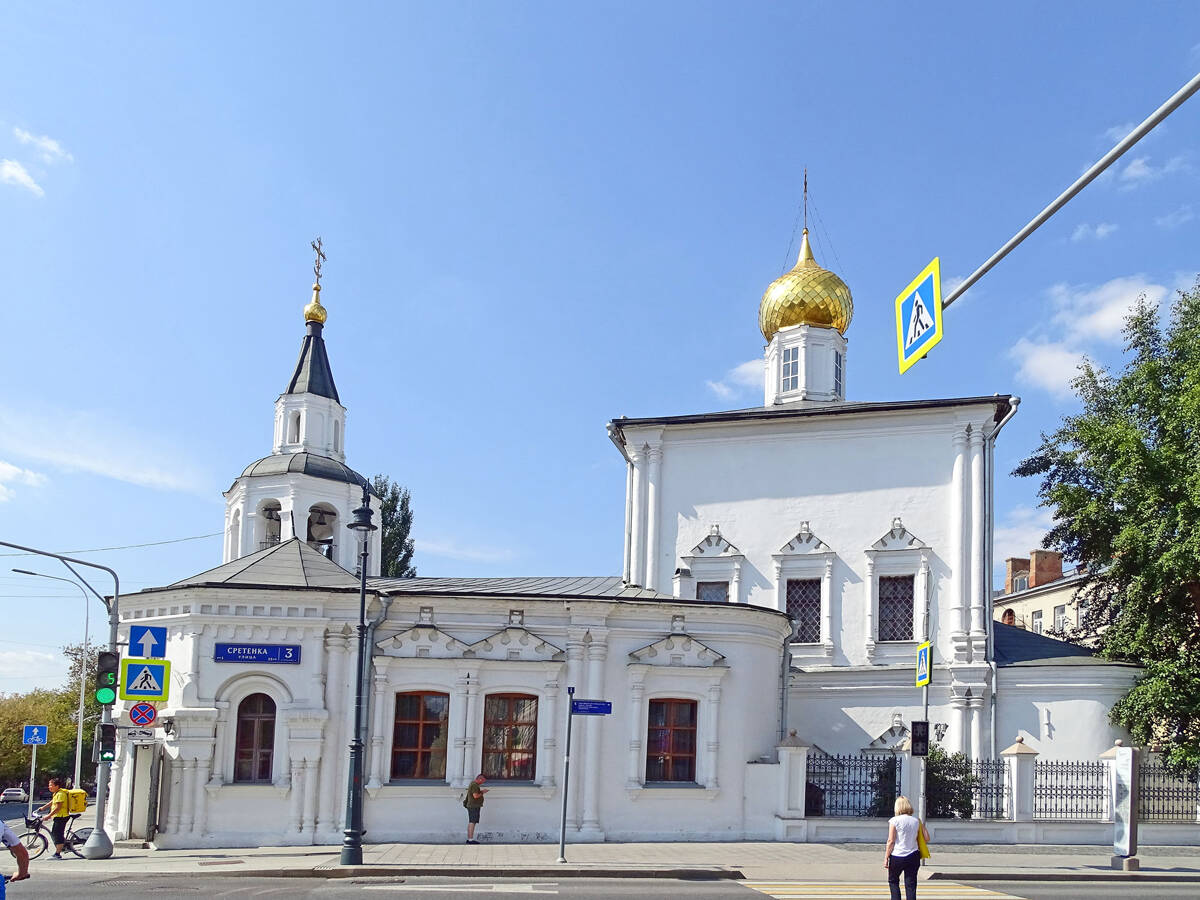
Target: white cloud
(1118,132)
(87,442)
(1176,217)
(50,150)
(12,172)
(10,474)
(1022,530)
(1100,312)
(452,550)
(739,379)
(1050,366)
(1140,171)
(1084,231)
(24,670)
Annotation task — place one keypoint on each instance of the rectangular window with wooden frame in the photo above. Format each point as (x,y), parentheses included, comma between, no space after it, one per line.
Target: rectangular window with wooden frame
(671,741)
(419,735)
(510,737)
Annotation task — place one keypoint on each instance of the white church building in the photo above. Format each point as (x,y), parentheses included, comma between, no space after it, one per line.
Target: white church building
(781,565)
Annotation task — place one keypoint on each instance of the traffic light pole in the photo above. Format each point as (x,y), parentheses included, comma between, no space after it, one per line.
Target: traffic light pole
(99,844)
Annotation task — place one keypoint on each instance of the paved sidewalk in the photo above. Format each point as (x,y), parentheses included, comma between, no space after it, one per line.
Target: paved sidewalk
(761,861)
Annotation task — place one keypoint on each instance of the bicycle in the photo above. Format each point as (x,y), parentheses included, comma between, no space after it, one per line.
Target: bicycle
(37,838)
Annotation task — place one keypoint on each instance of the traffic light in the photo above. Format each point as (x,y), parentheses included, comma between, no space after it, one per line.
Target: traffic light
(108,665)
(919,741)
(106,740)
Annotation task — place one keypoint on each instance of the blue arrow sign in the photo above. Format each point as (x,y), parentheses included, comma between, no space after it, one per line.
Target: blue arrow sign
(148,641)
(591,707)
(35,734)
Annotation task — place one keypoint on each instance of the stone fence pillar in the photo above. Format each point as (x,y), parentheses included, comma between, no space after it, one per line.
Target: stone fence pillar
(793,776)
(1019,798)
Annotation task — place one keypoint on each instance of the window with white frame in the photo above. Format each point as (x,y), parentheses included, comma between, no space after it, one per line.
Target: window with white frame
(510,737)
(804,609)
(896,595)
(671,741)
(838,373)
(1036,621)
(712,591)
(791,368)
(1060,617)
(1020,582)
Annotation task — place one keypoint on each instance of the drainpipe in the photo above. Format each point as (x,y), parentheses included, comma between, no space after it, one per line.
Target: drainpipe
(990,469)
(785,671)
(385,603)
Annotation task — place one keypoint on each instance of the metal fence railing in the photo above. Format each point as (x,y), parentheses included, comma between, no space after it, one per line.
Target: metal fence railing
(1071,790)
(957,788)
(1163,797)
(860,785)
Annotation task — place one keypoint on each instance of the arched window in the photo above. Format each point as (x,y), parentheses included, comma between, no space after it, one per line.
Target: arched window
(294,428)
(337,436)
(235,534)
(419,738)
(510,737)
(255,747)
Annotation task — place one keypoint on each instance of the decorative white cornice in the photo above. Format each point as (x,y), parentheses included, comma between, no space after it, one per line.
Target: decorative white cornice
(424,641)
(898,538)
(515,643)
(678,650)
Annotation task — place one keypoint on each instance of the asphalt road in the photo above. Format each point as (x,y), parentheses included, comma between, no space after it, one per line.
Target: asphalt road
(73,885)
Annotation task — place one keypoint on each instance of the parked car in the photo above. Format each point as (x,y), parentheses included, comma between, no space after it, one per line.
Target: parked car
(14,795)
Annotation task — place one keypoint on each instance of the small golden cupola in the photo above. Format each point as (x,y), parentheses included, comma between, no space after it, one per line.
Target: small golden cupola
(807,295)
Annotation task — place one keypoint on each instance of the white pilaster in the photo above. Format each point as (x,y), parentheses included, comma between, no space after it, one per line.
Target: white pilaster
(712,741)
(655,455)
(959,742)
(576,646)
(637,571)
(311,790)
(976,712)
(597,652)
(548,731)
(625,571)
(978,594)
(872,606)
(295,797)
(827,607)
(471,760)
(960,579)
(377,710)
(457,740)
(637,713)
(335,689)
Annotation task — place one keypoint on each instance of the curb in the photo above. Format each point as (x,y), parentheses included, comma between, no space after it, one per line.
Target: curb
(1182,878)
(682,873)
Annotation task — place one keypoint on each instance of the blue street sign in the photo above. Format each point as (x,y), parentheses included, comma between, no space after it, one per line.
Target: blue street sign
(148,641)
(919,315)
(284,654)
(35,734)
(145,679)
(591,707)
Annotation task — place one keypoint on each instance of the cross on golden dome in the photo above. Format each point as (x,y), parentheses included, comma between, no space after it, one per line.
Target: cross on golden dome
(315,312)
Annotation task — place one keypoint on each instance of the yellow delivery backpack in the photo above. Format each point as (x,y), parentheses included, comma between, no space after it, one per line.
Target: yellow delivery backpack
(76,801)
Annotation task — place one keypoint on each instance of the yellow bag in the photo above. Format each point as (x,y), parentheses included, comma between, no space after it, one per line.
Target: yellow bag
(921,845)
(76,801)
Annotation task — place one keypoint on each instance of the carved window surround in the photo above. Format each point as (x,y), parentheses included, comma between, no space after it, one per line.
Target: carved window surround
(898,552)
(807,556)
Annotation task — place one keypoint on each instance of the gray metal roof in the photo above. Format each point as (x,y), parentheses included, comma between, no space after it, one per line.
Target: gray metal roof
(290,564)
(761,413)
(609,587)
(307,464)
(313,375)
(1018,647)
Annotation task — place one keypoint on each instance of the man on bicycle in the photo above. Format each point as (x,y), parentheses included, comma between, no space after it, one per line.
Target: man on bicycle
(59,811)
(9,839)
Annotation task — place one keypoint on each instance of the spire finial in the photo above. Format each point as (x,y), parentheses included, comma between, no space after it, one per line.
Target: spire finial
(320,258)
(805,201)
(315,312)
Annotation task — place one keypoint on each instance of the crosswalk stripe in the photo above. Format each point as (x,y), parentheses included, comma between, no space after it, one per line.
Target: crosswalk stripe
(842,890)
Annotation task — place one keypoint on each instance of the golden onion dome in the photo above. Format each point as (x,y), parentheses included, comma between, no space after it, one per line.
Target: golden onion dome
(315,312)
(807,295)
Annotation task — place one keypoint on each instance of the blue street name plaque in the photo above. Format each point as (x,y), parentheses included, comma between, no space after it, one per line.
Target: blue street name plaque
(286,654)
(591,707)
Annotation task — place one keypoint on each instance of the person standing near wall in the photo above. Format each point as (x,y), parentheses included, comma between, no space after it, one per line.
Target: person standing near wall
(903,853)
(474,803)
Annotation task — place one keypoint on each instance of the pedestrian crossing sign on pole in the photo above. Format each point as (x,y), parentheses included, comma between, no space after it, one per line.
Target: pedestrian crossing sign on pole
(924,663)
(919,315)
(145,679)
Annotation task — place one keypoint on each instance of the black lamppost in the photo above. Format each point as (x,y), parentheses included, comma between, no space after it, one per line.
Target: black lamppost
(352,843)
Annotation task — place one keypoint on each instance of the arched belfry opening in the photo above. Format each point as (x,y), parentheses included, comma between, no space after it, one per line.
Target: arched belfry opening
(270,523)
(322,528)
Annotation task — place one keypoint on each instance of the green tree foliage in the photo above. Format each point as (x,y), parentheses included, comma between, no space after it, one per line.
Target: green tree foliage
(1122,481)
(396,560)
(57,710)
(949,785)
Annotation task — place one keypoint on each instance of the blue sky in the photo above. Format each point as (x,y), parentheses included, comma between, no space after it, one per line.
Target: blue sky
(538,217)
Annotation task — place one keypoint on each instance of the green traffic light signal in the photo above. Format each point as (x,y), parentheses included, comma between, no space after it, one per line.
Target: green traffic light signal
(107,666)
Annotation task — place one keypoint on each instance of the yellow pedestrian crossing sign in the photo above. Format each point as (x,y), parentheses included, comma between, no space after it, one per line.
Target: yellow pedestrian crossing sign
(145,679)
(919,315)
(924,663)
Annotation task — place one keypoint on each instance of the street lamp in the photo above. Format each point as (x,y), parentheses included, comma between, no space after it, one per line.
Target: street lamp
(83,668)
(352,844)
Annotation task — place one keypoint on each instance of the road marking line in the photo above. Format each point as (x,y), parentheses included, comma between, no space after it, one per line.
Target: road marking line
(543,888)
(834,890)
